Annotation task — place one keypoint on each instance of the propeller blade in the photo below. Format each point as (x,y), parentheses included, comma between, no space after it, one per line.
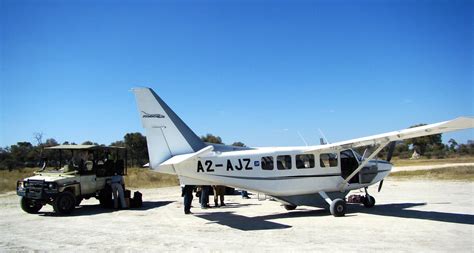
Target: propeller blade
(391,148)
(380,185)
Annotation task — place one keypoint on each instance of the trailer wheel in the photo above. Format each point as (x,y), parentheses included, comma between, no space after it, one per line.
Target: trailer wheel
(29,205)
(338,208)
(64,203)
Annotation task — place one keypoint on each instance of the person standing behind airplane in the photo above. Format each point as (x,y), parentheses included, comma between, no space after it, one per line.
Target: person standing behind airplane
(187,193)
(245,194)
(205,196)
(219,191)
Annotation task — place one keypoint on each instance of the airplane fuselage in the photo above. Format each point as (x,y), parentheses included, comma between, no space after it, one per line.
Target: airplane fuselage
(280,171)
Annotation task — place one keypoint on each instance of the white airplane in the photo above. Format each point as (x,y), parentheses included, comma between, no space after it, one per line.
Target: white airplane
(308,175)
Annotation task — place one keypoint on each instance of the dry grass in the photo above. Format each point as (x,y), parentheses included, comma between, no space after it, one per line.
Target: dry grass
(8,178)
(136,178)
(424,161)
(146,178)
(464,173)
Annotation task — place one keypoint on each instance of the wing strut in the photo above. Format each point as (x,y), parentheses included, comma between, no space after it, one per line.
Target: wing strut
(344,183)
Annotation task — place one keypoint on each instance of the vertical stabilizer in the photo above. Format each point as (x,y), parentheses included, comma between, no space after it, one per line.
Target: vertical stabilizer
(167,135)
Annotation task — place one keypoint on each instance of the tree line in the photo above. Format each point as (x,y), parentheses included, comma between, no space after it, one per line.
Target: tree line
(25,154)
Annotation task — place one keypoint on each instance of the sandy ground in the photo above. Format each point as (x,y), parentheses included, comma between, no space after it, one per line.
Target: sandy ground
(430,167)
(422,216)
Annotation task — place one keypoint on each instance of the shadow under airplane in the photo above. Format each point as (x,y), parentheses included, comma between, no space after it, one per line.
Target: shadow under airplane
(230,219)
(401,210)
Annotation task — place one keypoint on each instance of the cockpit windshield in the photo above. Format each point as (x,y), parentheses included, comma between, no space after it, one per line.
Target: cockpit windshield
(357,155)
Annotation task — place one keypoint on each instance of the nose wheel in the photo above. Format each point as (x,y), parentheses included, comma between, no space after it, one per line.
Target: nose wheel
(368,200)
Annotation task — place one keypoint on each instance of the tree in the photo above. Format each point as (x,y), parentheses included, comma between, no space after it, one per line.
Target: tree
(20,151)
(238,144)
(90,143)
(466,149)
(452,145)
(117,144)
(50,143)
(137,148)
(6,160)
(209,138)
(39,138)
(402,150)
(425,143)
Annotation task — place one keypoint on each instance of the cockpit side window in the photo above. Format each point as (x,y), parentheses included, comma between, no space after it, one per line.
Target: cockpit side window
(328,160)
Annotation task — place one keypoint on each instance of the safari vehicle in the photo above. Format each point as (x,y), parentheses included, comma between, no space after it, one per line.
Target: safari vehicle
(72,173)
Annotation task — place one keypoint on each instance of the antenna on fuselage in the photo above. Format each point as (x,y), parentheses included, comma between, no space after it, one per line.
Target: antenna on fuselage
(301,136)
(323,140)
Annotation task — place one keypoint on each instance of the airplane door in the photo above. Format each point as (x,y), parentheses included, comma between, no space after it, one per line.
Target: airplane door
(349,164)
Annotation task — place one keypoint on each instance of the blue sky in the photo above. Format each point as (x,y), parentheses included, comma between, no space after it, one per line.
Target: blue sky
(252,71)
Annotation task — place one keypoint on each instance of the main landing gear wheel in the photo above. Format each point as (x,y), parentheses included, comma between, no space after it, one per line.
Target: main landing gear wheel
(368,201)
(338,207)
(290,207)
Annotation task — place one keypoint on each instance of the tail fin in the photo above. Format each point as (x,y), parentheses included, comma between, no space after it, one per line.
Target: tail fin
(167,135)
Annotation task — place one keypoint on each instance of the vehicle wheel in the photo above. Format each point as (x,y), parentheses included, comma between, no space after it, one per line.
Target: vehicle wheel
(290,207)
(78,201)
(338,207)
(105,197)
(29,205)
(368,201)
(64,203)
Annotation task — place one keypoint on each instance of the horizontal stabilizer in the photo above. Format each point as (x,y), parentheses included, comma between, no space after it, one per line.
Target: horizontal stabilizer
(182,158)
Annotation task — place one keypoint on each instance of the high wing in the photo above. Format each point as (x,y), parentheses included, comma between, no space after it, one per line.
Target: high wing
(382,139)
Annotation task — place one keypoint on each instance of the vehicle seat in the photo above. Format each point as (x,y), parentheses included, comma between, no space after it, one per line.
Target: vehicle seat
(66,168)
(89,166)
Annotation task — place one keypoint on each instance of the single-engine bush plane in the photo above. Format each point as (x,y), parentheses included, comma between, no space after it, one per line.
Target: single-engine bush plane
(308,175)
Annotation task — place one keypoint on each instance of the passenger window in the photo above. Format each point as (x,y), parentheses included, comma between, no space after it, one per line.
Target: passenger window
(284,162)
(267,163)
(328,160)
(304,161)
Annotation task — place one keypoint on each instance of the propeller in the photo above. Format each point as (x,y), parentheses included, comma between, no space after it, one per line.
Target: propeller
(391,148)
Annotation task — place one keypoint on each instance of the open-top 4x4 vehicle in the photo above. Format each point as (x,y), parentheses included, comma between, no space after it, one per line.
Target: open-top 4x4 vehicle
(72,173)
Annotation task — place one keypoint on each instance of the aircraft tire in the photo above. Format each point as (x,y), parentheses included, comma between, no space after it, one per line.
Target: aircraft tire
(290,207)
(338,208)
(369,202)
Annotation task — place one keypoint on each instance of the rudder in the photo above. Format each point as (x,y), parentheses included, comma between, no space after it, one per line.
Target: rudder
(167,135)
